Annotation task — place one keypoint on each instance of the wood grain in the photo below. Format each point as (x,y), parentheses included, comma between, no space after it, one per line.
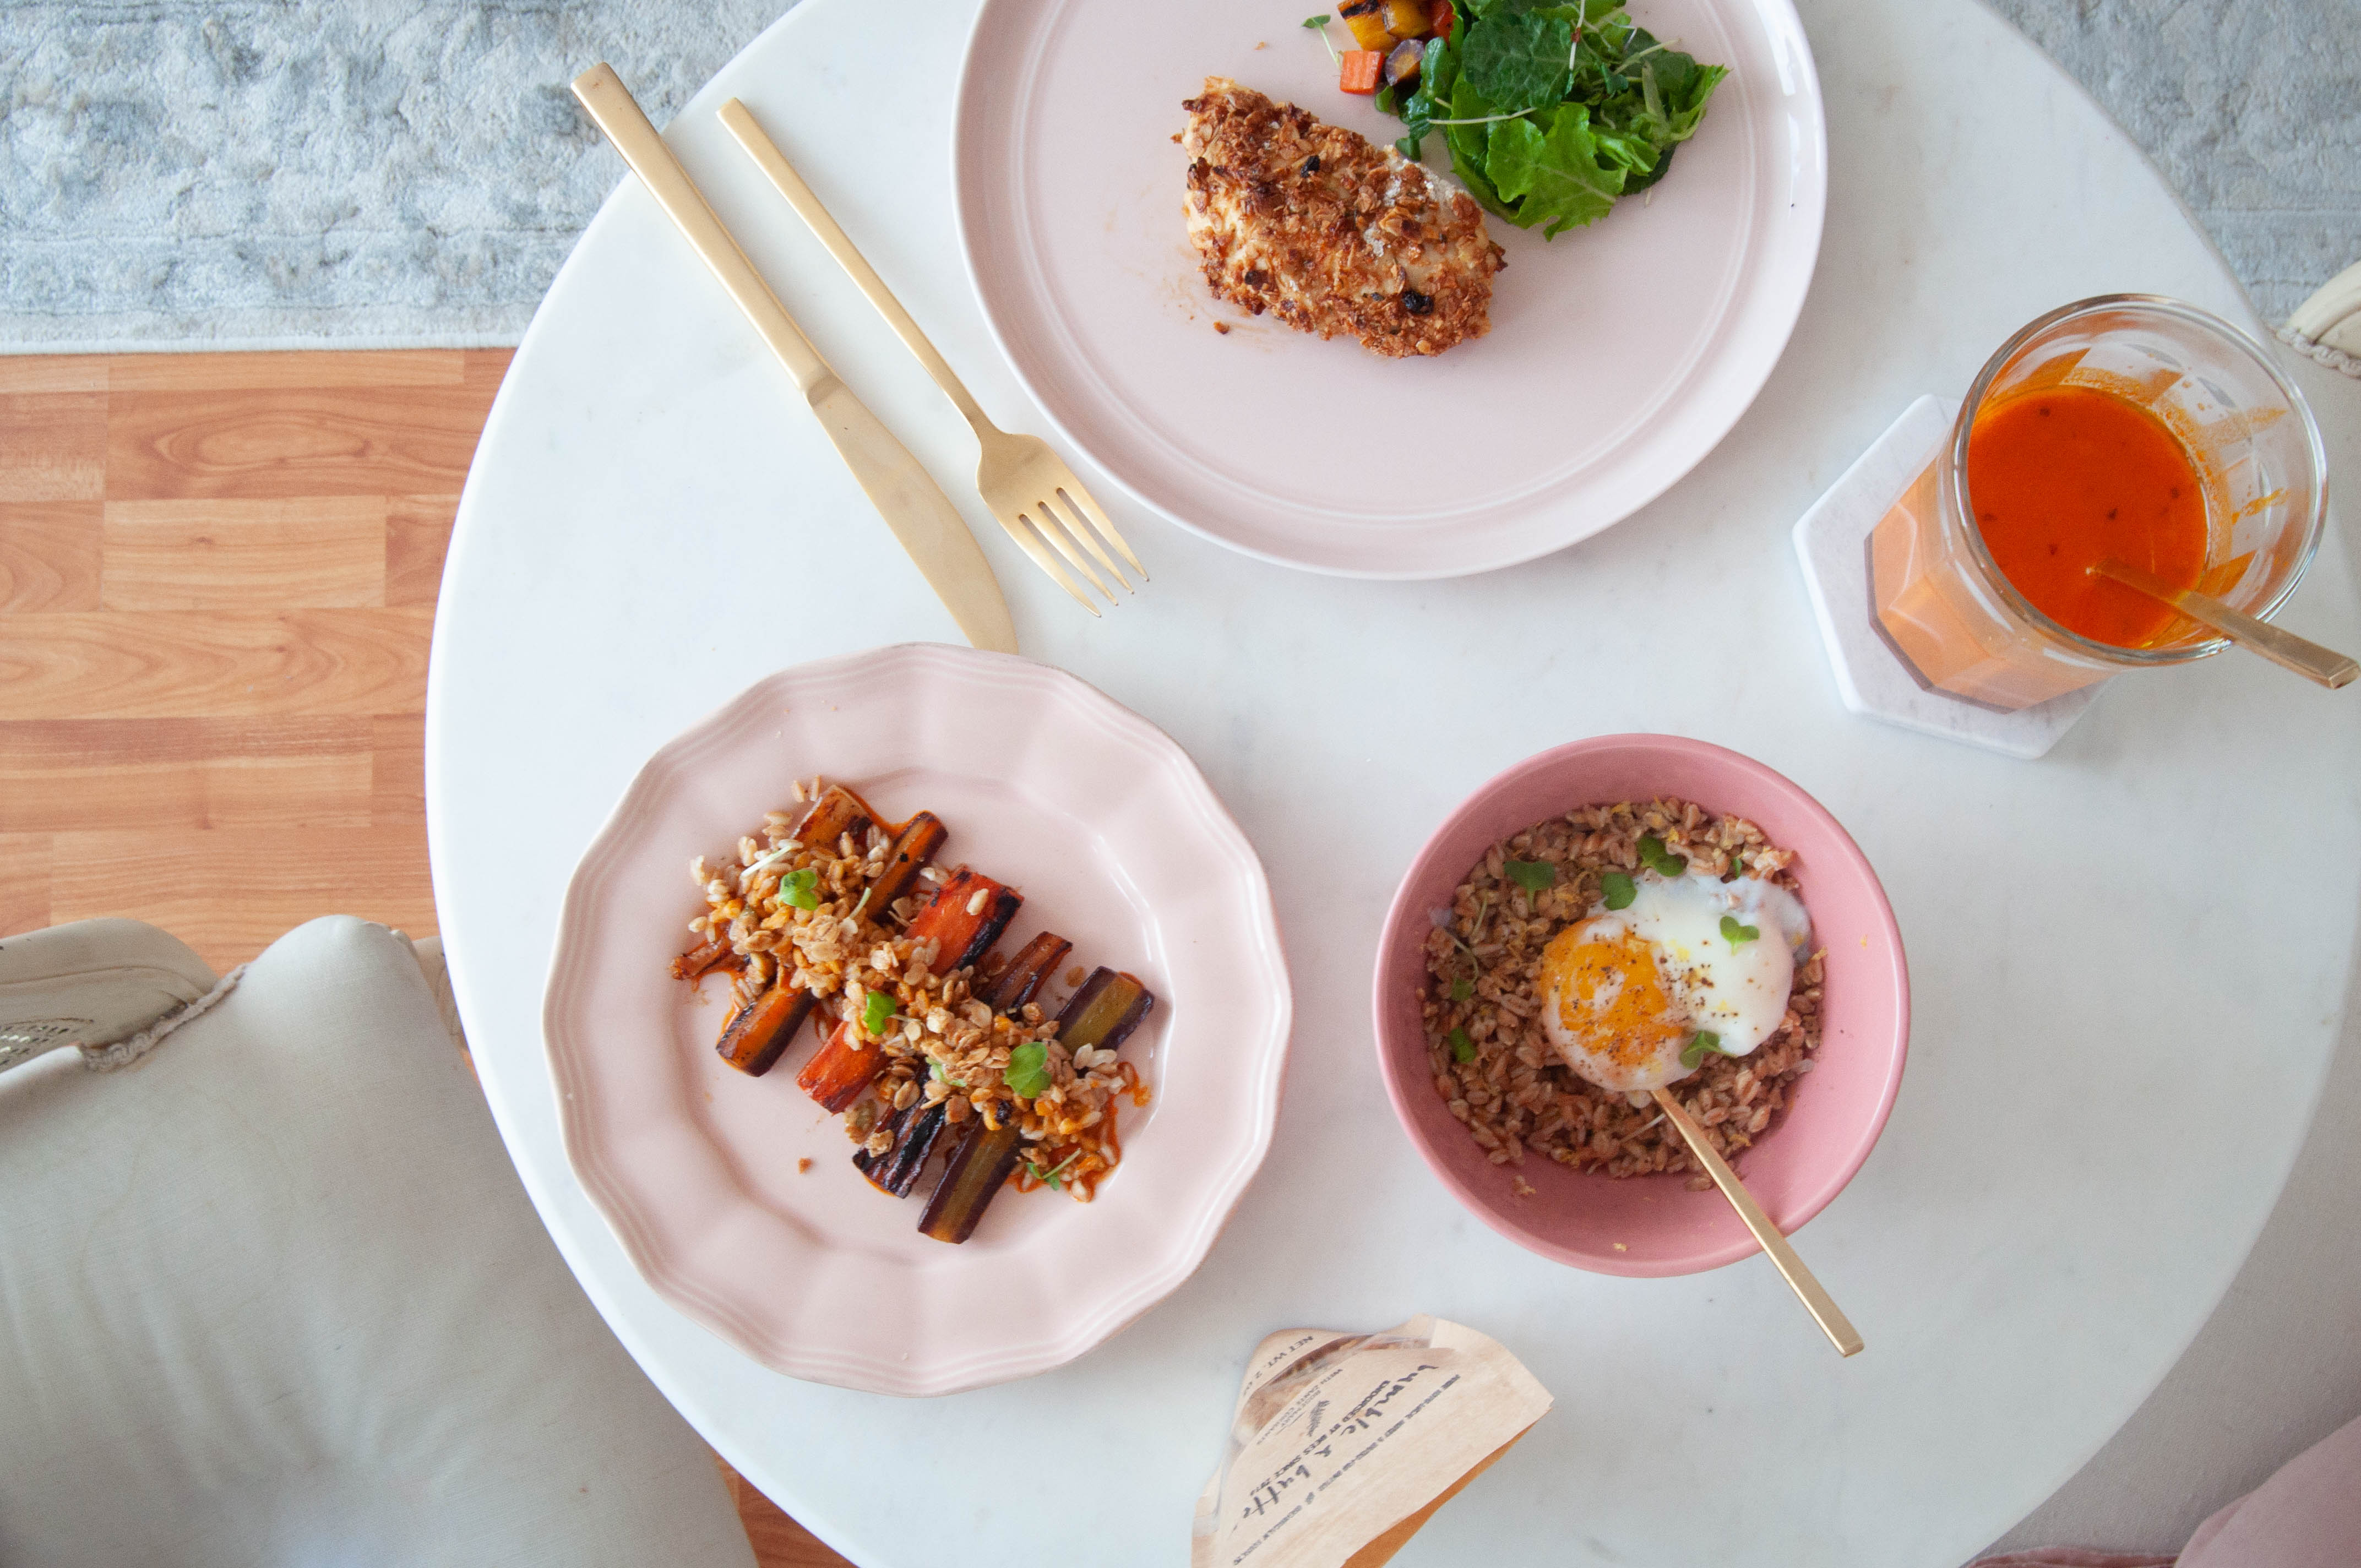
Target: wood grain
(233,891)
(328,553)
(264,445)
(53,447)
(217,581)
(182,775)
(49,555)
(245,663)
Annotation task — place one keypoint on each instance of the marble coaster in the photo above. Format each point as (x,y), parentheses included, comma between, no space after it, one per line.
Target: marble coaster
(1832,541)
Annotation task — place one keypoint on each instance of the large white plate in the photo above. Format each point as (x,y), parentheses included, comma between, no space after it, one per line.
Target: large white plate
(1115,842)
(1618,355)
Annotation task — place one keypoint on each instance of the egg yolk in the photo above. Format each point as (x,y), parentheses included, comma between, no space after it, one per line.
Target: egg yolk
(1611,996)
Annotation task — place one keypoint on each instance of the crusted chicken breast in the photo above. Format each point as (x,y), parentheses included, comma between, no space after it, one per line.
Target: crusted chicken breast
(1330,233)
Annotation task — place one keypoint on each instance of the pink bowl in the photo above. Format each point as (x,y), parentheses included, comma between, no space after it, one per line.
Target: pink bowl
(1654,1224)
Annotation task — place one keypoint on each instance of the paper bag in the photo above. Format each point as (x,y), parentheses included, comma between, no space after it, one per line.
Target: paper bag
(1342,1445)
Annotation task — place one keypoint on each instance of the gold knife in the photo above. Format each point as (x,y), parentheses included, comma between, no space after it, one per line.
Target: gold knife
(912,504)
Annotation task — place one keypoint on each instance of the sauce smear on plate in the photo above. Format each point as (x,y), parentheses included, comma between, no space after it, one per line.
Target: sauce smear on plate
(2065,476)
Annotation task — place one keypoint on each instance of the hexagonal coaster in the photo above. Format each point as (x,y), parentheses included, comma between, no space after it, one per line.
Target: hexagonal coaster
(1832,541)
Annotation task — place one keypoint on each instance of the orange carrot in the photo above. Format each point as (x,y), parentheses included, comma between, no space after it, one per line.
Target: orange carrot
(1360,71)
(1443,18)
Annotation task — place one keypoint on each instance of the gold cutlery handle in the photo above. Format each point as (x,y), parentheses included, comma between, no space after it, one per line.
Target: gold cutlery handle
(2283,648)
(1816,1302)
(774,163)
(611,105)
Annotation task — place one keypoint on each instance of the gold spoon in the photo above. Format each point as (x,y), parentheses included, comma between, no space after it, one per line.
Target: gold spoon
(2308,659)
(1816,1302)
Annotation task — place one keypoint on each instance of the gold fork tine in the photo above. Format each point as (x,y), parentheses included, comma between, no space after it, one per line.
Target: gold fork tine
(1043,559)
(1079,526)
(1045,523)
(1082,499)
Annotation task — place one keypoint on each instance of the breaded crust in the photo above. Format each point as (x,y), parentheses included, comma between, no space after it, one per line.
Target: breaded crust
(1330,233)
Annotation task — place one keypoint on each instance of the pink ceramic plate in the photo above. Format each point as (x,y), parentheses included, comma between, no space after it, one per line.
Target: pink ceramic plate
(1618,353)
(1117,842)
(1654,1224)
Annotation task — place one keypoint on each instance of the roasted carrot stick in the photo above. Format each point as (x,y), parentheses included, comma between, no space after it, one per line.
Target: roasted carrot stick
(1035,962)
(920,838)
(966,916)
(759,1034)
(841,1068)
(1359,71)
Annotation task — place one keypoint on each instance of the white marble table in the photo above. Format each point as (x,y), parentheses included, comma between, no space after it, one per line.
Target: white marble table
(2128,956)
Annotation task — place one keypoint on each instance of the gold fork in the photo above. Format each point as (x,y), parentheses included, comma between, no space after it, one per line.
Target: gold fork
(1027,486)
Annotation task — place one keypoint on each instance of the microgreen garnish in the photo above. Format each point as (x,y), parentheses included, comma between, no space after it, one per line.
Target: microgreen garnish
(1536,877)
(935,1071)
(1618,890)
(877,1011)
(1659,859)
(1318,24)
(1738,934)
(1701,1042)
(800,889)
(1462,989)
(1028,1069)
(1462,1048)
(1049,1177)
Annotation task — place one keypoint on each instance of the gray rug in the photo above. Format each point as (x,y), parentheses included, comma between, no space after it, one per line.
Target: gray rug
(370,173)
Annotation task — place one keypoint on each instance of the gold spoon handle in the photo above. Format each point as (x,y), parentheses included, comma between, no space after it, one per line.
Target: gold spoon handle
(2305,657)
(1800,1279)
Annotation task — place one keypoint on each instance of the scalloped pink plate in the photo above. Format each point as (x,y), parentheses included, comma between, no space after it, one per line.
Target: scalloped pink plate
(1620,353)
(1117,842)
(1654,1224)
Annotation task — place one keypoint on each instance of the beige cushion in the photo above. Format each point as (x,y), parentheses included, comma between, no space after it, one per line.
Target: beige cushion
(273,1295)
(92,982)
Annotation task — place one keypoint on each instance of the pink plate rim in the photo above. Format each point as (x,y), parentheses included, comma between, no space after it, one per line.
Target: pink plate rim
(631,1198)
(1405,908)
(1760,334)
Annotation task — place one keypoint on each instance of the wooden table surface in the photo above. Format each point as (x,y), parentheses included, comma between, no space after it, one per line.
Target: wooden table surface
(217,581)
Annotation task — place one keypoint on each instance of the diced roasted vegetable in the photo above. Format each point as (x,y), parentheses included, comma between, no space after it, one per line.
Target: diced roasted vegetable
(979,1166)
(1104,1012)
(915,1128)
(966,916)
(711,955)
(919,839)
(1360,71)
(841,1068)
(1441,18)
(1402,66)
(1367,19)
(1035,962)
(754,1039)
(1408,18)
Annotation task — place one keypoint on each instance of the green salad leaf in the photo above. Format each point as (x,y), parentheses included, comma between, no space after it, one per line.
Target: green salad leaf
(1517,59)
(1028,1069)
(1557,178)
(1553,110)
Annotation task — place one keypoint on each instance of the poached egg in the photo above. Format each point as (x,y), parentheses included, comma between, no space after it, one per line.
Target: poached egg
(1691,961)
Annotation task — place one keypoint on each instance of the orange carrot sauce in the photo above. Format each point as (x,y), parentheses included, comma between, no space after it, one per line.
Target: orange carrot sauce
(2065,477)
